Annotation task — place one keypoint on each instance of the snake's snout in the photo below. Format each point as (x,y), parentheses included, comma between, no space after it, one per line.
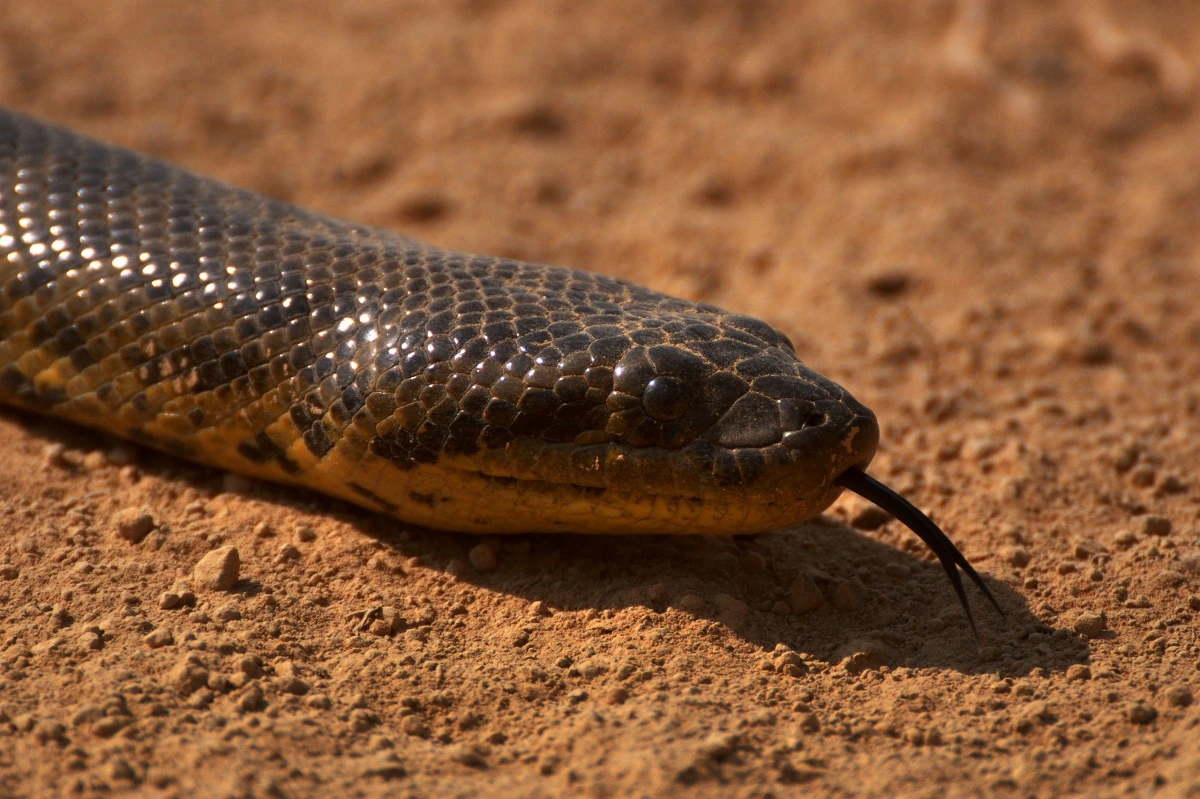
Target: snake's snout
(806,414)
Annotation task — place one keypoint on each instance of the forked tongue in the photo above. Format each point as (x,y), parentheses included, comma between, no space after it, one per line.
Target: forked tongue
(952,560)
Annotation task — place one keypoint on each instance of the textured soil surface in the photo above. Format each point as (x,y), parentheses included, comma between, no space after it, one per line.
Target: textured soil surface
(984,223)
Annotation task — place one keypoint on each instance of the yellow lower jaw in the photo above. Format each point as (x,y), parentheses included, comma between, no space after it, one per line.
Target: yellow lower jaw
(454,494)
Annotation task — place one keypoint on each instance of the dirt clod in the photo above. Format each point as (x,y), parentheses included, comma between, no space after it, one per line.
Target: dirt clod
(218,570)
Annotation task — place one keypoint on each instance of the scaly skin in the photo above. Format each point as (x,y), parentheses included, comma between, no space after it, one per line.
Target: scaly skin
(454,391)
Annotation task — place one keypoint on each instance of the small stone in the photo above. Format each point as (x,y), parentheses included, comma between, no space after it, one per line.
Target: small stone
(730,605)
(810,723)
(617,696)
(691,603)
(228,613)
(470,756)
(292,685)
(1169,578)
(1078,671)
(1017,556)
(169,600)
(47,731)
(55,455)
(250,699)
(415,726)
(385,766)
(850,594)
(869,517)
(201,699)
(1153,524)
(218,570)
(1142,714)
(108,726)
(133,524)
(188,677)
(120,769)
(804,595)
(1171,484)
(159,638)
(250,665)
(1179,696)
(320,702)
(286,554)
(1125,538)
(719,746)
(263,530)
(219,683)
(538,608)
(1090,624)
(482,557)
(9,571)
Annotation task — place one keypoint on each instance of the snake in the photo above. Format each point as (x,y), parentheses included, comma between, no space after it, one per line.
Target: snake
(454,391)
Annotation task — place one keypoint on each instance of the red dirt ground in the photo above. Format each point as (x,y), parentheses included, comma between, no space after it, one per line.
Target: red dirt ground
(985,223)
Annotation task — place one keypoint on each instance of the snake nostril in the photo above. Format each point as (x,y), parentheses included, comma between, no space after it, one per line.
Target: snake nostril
(815,419)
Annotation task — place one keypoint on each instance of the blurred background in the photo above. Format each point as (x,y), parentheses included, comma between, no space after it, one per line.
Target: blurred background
(982,219)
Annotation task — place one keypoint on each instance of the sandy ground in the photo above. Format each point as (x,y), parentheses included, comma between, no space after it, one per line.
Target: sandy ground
(985,224)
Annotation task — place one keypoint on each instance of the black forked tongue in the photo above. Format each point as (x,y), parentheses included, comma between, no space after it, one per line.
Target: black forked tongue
(952,560)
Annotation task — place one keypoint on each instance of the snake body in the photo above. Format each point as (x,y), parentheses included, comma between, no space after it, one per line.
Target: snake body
(455,391)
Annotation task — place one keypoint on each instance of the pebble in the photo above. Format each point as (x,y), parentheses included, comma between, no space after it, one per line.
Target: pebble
(1090,624)
(804,595)
(286,554)
(1079,671)
(415,726)
(538,608)
(691,603)
(133,524)
(108,726)
(320,702)
(1153,524)
(9,571)
(188,677)
(1125,538)
(250,699)
(385,766)
(228,613)
(1169,578)
(201,699)
(850,594)
(869,517)
(159,638)
(218,570)
(1142,714)
(47,731)
(292,685)
(1017,556)
(719,746)
(810,723)
(470,756)
(1179,696)
(482,557)
(617,696)
(305,534)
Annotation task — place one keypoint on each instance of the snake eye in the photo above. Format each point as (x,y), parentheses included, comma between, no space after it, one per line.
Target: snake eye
(665,399)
